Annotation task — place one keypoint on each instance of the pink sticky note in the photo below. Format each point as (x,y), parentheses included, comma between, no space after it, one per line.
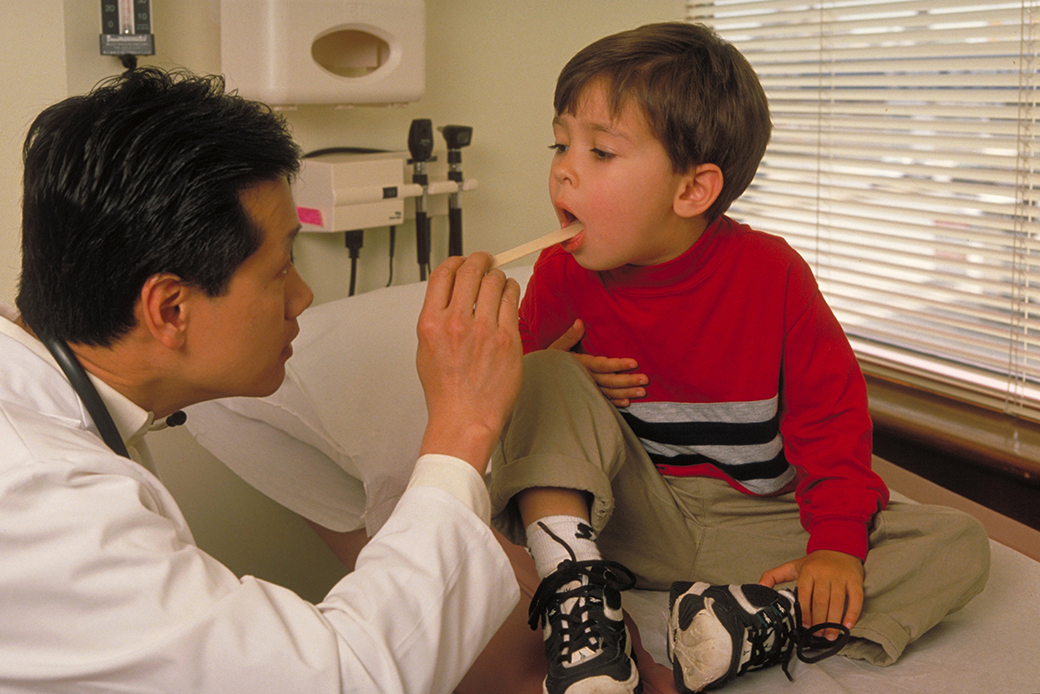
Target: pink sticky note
(309,215)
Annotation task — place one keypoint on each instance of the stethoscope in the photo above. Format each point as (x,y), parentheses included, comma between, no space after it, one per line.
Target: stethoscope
(87,393)
(91,399)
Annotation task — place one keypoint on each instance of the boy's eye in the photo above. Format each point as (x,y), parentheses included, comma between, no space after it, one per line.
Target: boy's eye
(600,154)
(558,148)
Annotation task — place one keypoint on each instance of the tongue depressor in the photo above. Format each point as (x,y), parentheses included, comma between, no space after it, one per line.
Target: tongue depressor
(550,239)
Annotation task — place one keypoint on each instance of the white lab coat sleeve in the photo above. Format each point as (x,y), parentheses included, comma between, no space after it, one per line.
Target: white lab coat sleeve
(102,589)
(447,590)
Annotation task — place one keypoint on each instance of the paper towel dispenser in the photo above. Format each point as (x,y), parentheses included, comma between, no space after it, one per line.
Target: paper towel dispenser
(294,52)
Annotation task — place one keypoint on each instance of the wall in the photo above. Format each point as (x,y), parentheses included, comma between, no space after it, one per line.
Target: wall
(33,76)
(493,67)
(490,64)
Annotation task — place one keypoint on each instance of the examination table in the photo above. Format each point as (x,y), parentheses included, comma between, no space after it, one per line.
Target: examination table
(336,444)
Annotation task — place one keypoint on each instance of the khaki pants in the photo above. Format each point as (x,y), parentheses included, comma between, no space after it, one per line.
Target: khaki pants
(924,561)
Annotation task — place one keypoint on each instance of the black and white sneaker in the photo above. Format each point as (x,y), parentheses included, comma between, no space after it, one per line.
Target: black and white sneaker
(587,644)
(716,633)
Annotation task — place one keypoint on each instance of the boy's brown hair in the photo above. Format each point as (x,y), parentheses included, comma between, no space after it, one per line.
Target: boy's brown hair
(700,97)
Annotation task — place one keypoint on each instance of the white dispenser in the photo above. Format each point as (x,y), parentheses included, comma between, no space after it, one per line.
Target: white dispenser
(292,52)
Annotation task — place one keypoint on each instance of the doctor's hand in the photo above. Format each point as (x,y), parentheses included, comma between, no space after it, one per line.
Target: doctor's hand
(469,358)
(612,375)
(830,587)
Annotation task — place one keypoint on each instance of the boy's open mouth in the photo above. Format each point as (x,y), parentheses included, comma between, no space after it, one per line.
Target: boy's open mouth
(566,216)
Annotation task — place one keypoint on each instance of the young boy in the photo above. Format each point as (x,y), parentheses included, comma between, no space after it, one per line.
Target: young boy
(732,450)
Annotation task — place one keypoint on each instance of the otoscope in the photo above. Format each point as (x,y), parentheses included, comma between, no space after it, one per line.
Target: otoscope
(420,146)
(457,137)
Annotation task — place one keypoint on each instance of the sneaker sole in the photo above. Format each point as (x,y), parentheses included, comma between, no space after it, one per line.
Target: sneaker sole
(699,645)
(605,685)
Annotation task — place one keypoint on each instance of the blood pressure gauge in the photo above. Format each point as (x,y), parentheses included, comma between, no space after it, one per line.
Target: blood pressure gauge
(126,27)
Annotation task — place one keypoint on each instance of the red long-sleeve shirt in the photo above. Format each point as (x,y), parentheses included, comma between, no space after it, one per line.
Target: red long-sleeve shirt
(751,378)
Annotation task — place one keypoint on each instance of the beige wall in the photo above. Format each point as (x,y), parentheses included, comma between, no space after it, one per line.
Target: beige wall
(32,76)
(491,64)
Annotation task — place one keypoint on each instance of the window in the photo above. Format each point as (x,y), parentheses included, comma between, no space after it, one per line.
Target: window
(903,168)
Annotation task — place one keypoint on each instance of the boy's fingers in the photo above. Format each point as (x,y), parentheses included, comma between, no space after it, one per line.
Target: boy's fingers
(606,365)
(835,612)
(855,606)
(570,337)
(807,596)
(785,573)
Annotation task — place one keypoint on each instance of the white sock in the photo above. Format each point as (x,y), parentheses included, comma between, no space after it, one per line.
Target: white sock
(556,539)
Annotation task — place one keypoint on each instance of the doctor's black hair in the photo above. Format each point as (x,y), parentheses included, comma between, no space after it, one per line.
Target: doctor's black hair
(140,176)
(700,96)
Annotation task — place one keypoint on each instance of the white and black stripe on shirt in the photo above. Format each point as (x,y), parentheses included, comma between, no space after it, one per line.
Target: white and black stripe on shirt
(742,439)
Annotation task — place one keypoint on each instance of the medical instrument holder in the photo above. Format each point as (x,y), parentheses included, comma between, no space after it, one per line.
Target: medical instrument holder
(457,137)
(420,146)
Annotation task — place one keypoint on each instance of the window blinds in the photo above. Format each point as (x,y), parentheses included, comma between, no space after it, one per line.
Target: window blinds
(903,168)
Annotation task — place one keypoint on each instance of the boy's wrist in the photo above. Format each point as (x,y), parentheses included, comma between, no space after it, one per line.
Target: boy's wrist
(840,535)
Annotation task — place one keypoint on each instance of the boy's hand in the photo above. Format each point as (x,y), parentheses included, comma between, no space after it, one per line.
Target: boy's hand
(620,388)
(830,587)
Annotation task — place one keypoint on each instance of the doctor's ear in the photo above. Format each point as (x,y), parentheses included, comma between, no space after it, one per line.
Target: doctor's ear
(162,308)
(698,190)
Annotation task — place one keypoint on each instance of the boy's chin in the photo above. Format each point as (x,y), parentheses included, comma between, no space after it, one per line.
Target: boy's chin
(593,265)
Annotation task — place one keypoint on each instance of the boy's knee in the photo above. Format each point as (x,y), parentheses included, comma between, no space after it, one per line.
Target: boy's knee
(555,373)
(964,529)
(548,362)
(967,544)
(976,540)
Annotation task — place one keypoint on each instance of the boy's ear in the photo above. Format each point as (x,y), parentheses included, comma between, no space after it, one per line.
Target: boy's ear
(163,308)
(698,190)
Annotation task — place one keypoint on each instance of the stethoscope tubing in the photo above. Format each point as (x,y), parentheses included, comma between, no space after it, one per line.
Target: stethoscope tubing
(87,393)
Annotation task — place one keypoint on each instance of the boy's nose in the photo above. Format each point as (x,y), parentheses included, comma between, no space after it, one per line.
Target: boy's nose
(563,171)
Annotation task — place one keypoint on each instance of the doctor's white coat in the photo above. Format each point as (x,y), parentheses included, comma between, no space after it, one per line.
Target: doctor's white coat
(102,587)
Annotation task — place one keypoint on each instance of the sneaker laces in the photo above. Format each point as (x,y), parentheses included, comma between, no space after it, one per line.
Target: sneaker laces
(579,629)
(790,638)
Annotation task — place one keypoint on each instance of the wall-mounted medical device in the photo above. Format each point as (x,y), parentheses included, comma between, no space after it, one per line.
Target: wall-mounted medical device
(339,192)
(350,191)
(126,28)
(293,52)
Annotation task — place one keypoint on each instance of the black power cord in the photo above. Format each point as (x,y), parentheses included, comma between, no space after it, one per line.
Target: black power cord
(393,242)
(354,240)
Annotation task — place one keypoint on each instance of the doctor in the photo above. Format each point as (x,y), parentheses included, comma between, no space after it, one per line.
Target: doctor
(158,226)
